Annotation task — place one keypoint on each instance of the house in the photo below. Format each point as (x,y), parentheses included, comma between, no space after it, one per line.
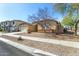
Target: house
(12,25)
(48,25)
(24,26)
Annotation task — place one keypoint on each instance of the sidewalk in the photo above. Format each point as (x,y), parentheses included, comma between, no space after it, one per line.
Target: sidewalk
(12,33)
(52,41)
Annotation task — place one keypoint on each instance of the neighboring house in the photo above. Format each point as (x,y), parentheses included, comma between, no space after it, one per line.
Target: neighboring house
(11,26)
(48,25)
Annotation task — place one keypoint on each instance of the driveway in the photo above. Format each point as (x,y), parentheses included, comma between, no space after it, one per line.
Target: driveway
(8,50)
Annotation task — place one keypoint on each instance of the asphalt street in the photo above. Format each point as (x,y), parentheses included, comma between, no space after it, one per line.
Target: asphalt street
(8,50)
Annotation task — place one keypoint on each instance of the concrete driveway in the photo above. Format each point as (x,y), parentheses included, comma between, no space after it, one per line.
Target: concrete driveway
(8,50)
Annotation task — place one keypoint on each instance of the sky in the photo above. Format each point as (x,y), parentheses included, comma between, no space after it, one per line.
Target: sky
(21,11)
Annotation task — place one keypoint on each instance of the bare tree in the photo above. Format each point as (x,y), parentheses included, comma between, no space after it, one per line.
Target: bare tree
(42,14)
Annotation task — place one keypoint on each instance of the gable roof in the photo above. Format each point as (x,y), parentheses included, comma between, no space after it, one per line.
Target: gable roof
(46,20)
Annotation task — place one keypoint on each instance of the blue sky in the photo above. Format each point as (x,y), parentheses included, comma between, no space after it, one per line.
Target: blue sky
(20,11)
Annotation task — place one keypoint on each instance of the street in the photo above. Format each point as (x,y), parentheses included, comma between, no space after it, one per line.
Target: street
(8,50)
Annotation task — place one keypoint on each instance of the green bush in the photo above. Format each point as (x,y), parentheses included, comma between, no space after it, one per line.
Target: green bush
(1,29)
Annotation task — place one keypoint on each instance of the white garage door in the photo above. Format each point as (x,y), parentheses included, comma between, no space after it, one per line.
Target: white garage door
(24,29)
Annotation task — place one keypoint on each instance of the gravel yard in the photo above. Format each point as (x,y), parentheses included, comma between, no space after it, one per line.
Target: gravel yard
(52,48)
(66,37)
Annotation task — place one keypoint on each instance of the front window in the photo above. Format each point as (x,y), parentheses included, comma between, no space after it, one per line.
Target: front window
(46,26)
(6,23)
(13,22)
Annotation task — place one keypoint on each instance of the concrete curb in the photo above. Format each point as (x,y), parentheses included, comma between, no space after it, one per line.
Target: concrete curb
(31,50)
(52,41)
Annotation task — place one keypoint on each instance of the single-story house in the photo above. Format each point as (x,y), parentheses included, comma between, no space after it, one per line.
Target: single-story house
(48,25)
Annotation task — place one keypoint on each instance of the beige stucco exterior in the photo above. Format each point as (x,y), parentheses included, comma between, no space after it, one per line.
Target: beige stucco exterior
(53,26)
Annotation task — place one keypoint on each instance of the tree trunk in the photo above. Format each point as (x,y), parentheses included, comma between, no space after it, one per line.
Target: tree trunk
(71,28)
(57,28)
(76,25)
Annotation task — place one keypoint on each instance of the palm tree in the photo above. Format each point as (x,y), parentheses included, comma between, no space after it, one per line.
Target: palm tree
(73,9)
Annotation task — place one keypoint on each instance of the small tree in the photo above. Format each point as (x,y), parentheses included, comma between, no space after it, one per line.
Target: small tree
(68,21)
(1,28)
(73,8)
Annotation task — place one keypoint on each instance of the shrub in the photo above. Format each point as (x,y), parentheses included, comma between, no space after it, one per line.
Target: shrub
(29,31)
(20,39)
